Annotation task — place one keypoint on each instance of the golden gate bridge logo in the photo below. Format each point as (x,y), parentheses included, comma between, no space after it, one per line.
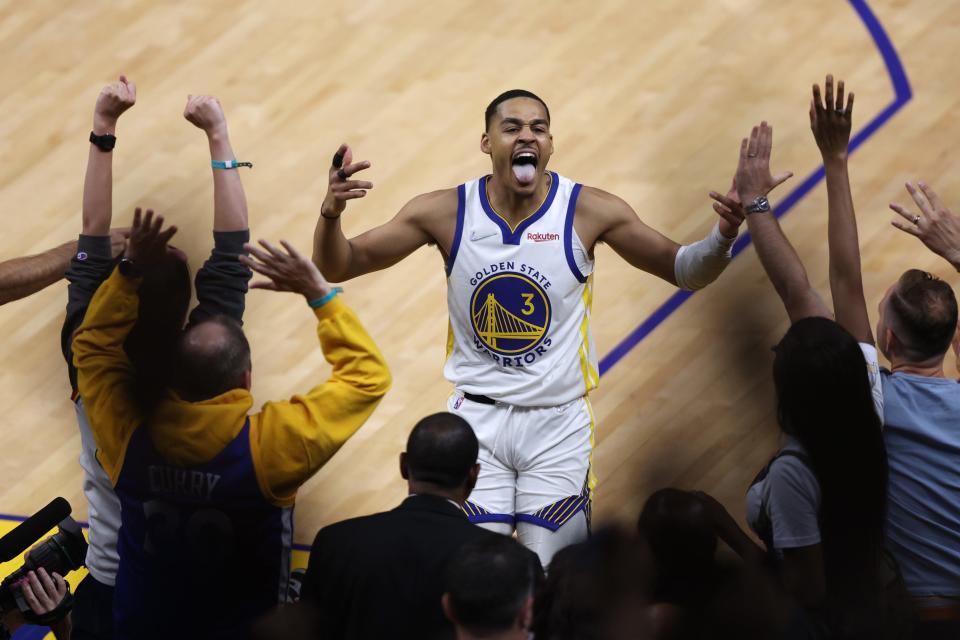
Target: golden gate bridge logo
(511,313)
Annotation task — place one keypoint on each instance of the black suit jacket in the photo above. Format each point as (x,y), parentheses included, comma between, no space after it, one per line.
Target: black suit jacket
(381,576)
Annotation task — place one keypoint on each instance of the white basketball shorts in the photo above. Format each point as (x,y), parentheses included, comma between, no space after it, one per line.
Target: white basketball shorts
(534,461)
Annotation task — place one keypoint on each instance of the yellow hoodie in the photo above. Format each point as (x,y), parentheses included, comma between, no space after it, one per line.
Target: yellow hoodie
(290,440)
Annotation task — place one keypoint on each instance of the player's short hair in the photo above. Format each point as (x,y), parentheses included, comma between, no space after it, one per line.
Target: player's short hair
(442,449)
(206,369)
(487,582)
(509,95)
(923,314)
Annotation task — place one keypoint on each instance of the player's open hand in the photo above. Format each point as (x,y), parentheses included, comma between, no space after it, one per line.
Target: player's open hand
(935,225)
(831,121)
(753,172)
(341,187)
(148,239)
(729,209)
(114,99)
(205,112)
(287,270)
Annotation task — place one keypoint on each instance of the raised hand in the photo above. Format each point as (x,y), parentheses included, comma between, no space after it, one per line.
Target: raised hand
(114,99)
(148,239)
(205,112)
(290,271)
(341,188)
(831,121)
(729,209)
(936,226)
(753,173)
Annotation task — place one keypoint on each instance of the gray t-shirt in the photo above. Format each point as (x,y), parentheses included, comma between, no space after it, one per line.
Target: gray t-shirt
(788,497)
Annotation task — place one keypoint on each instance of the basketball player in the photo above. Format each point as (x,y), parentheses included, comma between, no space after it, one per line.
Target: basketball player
(518,249)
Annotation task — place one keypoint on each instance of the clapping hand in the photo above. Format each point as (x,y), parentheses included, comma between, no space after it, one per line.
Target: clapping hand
(287,271)
(114,99)
(340,187)
(935,225)
(753,171)
(831,121)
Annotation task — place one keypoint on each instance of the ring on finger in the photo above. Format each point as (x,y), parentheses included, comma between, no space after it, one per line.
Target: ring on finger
(916,219)
(342,174)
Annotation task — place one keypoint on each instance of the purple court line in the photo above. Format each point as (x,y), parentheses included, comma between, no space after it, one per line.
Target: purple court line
(902,95)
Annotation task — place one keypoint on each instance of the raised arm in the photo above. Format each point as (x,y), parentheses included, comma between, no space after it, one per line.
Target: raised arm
(780,261)
(831,123)
(113,100)
(935,225)
(294,438)
(105,376)
(222,280)
(341,259)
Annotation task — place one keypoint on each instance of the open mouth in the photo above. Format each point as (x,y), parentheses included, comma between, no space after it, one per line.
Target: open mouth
(525,167)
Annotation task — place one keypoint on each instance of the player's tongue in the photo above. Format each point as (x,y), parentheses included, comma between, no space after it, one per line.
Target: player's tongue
(524,173)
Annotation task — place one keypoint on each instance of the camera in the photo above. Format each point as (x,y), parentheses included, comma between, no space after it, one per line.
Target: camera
(63,552)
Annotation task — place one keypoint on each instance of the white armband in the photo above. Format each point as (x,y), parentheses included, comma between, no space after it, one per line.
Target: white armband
(700,263)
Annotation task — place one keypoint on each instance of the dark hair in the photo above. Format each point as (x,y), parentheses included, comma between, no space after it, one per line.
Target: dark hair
(510,95)
(441,449)
(923,312)
(164,295)
(683,541)
(825,401)
(205,369)
(488,581)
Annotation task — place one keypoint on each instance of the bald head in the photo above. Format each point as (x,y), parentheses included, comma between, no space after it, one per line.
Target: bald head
(213,357)
(441,450)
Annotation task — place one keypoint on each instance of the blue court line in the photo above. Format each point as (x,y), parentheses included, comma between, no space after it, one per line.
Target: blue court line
(902,95)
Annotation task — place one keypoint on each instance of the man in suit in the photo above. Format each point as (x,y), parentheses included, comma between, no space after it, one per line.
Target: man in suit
(382,575)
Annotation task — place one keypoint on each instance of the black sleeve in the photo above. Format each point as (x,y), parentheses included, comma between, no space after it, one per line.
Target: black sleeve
(222,280)
(89,267)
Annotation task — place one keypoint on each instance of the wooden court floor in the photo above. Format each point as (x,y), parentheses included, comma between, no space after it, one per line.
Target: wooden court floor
(649,101)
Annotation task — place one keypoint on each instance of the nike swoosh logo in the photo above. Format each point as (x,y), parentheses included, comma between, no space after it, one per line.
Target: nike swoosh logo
(483,234)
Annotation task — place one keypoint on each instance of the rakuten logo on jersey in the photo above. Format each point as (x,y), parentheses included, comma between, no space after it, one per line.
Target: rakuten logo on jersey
(543,237)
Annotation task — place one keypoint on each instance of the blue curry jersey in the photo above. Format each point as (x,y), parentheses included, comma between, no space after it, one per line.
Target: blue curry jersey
(202,551)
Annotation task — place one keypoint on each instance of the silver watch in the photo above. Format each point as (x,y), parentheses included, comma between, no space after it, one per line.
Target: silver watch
(760,204)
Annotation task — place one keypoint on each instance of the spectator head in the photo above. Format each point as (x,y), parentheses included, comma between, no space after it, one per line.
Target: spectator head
(441,457)
(824,400)
(212,357)
(164,298)
(489,587)
(918,318)
(683,541)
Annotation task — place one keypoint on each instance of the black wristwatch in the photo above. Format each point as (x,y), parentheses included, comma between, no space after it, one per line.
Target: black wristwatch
(106,142)
(759,205)
(129,268)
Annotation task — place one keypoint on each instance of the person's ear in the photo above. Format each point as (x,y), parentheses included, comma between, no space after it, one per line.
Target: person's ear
(447,609)
(404,471)
(248,379)
(485,143)
(472,477)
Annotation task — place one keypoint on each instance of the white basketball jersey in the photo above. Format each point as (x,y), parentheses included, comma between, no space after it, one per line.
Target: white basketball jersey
(519,301)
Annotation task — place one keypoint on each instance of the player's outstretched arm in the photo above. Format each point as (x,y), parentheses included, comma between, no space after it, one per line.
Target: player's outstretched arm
(229,199)
(780,261)
(935,225)
(830,122)
(341,259)
(20,277)
(691,267)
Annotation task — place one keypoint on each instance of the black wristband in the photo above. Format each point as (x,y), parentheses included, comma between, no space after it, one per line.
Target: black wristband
(105,143)
(129,268)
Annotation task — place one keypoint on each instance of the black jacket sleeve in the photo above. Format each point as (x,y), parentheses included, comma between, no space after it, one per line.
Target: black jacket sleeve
(91,265)
(222,280)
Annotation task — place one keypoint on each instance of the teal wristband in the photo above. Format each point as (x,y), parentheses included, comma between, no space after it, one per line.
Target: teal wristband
(319,302)
(229,164)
